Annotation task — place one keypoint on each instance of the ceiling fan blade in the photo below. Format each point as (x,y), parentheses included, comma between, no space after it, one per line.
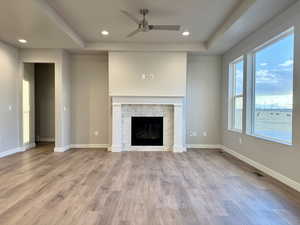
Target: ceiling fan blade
(164,27)
(133,33)
(131,16)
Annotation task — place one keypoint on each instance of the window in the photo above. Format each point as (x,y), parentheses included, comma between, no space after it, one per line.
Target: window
(236,70)
(272,89)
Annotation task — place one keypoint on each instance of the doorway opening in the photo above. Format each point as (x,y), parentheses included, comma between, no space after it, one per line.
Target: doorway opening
(38,104)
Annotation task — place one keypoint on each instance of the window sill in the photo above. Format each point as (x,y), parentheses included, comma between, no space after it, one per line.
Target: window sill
(272,140)
(235,131)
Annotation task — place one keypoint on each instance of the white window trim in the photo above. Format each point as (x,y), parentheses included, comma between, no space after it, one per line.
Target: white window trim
(273,40)
(270,139)
(232,96)
(251,86)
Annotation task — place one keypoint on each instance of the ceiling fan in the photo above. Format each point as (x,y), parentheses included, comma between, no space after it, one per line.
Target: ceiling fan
(144,26)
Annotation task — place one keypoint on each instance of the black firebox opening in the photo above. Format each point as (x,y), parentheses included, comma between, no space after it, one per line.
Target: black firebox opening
(146,131)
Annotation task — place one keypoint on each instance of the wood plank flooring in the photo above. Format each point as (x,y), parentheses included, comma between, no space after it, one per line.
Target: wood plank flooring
(92,186)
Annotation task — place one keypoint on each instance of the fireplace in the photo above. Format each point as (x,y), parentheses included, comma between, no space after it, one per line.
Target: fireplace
(147,131)
(147,124)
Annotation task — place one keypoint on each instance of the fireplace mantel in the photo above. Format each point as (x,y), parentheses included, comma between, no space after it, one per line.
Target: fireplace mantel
(178,121)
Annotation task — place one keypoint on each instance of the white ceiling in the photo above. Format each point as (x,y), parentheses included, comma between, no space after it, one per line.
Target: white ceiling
(25,19)
(260,13)
(77,24)
(201,17)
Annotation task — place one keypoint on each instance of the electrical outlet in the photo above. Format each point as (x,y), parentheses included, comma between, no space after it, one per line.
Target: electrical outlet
(193,133)
(145,76)
(96,133)
(205,134)
(10,107)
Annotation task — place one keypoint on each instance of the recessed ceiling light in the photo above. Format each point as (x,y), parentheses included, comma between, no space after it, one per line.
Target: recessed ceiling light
(185,33)
(105,32)
(23,41)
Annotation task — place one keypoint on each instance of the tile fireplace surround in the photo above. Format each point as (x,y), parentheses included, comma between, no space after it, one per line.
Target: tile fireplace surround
(170,108)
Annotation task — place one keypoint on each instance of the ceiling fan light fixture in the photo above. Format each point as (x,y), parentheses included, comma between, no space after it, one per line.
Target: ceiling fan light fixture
(104,32)
(185,33)
(144,26)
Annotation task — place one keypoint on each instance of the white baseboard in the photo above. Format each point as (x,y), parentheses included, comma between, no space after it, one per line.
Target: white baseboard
(68,147)
(278,176)
(16,150)
(115,148)
(62,149)
(200,146)
(11,151)
(89,145)
(179,148)
(28,146)
(147,148)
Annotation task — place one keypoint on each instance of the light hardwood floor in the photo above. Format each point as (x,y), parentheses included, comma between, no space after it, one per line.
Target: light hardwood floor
(92,186)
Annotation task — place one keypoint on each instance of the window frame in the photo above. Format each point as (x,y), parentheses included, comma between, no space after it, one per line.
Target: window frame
(252,86)
(232,96)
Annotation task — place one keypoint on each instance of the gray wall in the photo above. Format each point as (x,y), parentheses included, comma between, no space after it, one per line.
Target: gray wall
(11,76)
(281,158)
(82,104)
(9,82)
(203,100)
(44,102)
(65,104)
(90,108)
(62,90)
(89,88)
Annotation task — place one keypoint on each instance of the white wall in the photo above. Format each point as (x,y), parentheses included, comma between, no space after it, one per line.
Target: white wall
(203,100)
(9,81)
(281,158)
(126,69)
(90,102)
